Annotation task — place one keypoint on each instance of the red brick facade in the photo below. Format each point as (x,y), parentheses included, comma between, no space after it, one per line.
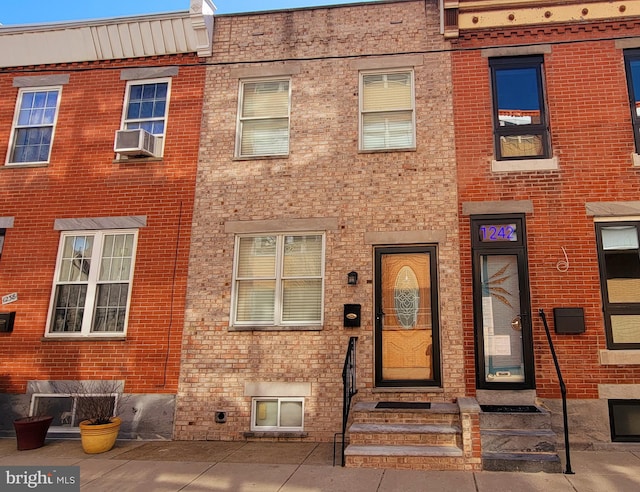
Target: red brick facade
(82,180)
(592,138)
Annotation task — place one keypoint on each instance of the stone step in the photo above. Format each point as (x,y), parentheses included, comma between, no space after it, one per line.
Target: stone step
(516,420)
(522,462)
(405,434)
(518,440)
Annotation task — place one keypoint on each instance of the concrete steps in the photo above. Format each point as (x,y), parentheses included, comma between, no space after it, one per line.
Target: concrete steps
(400,438)
(519,441)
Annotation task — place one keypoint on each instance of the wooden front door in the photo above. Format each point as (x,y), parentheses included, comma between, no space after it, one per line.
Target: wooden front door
(407,341)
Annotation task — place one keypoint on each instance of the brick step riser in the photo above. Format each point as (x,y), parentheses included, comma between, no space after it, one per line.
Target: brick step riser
(400,439)
(406,462)
(406,418)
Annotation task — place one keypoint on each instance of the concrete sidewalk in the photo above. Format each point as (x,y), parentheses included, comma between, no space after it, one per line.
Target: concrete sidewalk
(198,466)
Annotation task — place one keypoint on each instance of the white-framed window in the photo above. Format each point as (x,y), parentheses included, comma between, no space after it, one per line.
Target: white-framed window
(67,409)
(33,125)
(387,110)
(263,118)
(277,414)
(146,106)
(278,279)
(92,286)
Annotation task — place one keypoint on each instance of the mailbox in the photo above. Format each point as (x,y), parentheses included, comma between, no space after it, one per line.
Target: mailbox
(352,315)
(6,322)
(568,321)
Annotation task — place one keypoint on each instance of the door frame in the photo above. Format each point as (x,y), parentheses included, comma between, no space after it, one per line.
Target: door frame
(501,247)
(436,380)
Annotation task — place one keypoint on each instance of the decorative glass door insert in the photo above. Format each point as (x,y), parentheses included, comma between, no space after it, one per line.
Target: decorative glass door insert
(406,317)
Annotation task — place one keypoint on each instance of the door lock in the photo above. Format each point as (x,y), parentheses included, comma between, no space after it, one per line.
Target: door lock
(516,323)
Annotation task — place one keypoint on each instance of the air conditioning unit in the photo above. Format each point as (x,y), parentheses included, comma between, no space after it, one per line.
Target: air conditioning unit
(135,143)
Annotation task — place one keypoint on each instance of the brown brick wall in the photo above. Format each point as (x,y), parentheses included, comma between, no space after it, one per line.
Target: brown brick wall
(324,176)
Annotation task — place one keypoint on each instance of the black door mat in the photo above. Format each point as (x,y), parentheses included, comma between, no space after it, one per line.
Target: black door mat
(510,408)
(408,405)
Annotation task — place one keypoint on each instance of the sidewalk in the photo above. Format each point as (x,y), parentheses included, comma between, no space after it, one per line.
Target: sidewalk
(199,466)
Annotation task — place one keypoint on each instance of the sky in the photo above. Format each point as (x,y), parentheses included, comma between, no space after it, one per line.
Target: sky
(15,12)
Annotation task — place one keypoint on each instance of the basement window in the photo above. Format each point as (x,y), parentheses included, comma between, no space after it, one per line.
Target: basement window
(277,414)
(66,409)
(624,417)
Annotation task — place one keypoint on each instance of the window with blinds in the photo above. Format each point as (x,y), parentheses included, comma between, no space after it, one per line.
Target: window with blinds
(263,118)
(278,280)
(387,116)
(619,260)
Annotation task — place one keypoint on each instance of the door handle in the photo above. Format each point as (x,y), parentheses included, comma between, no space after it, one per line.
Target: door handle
(516,323)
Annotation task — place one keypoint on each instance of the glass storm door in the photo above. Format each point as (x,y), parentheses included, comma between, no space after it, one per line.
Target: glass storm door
(407,341)
(502,311)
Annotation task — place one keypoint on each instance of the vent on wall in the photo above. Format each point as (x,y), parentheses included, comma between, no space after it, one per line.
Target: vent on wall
(135,143)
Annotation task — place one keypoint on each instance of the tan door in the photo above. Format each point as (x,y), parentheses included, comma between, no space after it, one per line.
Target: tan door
(405,318)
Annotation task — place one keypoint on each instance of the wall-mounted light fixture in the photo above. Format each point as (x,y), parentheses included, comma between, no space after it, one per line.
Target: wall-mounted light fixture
(352,278)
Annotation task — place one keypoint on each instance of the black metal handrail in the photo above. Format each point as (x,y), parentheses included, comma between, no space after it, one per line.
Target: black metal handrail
(349,390)
(563,391)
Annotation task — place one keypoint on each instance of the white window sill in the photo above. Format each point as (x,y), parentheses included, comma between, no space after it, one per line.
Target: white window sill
(619,357)
(525,165)
(83,338)
(18,165)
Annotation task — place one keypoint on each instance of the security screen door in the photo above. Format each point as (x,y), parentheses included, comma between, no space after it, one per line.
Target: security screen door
(407,341)
(502,311)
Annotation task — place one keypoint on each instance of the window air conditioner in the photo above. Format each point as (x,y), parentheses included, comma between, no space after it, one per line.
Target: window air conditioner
(135,143)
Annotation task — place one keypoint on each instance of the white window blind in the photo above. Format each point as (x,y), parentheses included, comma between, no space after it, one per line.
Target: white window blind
(264,118)
(279,279)
(387,111)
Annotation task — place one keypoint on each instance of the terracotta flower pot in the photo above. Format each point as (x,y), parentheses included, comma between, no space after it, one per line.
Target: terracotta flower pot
(99,438)
(31,431)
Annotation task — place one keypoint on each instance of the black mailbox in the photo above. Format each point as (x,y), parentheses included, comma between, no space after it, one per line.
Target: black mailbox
(568,321)
(6,322)
(352,315)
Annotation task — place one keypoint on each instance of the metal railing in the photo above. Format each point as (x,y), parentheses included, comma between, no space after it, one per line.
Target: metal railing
(563,391)
(348,391)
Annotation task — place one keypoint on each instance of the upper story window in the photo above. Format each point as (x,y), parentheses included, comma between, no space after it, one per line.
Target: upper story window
(619,260)
(263,118)
(92,287)
(520,122)
(387,115)
(632,62)
(146,107)
(33,125)
(278,280)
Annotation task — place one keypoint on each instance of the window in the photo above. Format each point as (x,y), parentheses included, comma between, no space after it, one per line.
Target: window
(146,107)
(92,287)
(2,233)
(277,414)
(263,121)
(66,409)
(278,280)
(624,418)
(387,119)
(632,62)
(619,259)
(35,120)
(520,125)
